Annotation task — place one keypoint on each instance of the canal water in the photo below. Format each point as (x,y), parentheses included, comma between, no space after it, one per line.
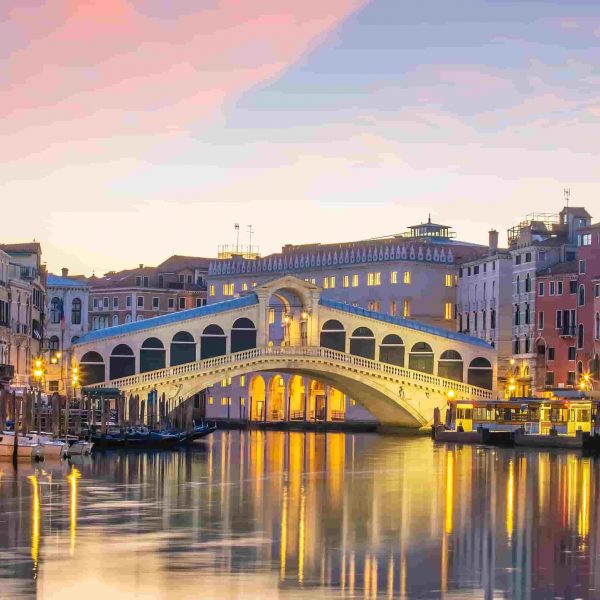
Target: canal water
(294,515)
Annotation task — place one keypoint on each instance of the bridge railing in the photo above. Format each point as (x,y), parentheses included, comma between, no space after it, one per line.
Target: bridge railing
(292,352)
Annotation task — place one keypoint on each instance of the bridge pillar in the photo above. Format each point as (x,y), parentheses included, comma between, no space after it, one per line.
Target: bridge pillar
(306,395)
(326,411)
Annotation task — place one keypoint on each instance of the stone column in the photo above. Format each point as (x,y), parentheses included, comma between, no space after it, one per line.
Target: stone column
(306,395)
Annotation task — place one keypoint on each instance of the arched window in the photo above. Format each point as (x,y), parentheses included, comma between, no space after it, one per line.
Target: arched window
(122,362)
(518,284)
(597,328)
(140,318)
(581,295)
(74,339)
(362,343)
(152,355)
(528,283)
(421,358)
(91,367)
(213,342)
(481,373)
(54,343)
(333,335)
(391,350)
(580,339)
(450,365)
(595,368)
(76,311)
(243,335)
(127,318)
(517,315)
(55,310)
(183,349)
(115,320)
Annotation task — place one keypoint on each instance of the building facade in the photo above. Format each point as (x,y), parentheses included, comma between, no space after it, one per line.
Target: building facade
(26,309)
(411,275)
(537,243)
(483,305)
(67,320)
(6,369)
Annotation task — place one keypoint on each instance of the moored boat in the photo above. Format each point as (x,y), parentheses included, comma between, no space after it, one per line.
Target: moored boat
(28,449)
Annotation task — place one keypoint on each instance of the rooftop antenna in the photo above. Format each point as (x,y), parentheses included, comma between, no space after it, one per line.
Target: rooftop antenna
(567,195)
(236,226)
(250,232)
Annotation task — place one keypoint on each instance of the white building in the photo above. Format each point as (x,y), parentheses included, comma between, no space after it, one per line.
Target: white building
(484,299)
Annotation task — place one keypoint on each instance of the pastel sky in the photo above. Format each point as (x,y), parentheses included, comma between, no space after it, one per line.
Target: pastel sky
(133,130)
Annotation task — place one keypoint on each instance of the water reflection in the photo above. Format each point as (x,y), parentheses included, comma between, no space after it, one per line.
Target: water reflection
(260,515)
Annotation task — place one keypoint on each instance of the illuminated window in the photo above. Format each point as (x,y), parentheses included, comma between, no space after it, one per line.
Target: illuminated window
(211,290)
(313,281)
(406,308)
(244,287)
(406,277)
(242,381)
(354,280)
(226,382)
(271,316)
(448,311)
(332,282)
(224,401)
(394,277)
(373,305)
(270,343)
(392,307)
(242,401)
(346,281)
(211,400)
(373,279)
(325,283)
(352,402)
(449,280)
(254,284)
(228,289)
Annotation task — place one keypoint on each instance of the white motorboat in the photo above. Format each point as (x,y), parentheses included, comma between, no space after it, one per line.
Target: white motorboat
(80,448)
(28,449)
(51,448)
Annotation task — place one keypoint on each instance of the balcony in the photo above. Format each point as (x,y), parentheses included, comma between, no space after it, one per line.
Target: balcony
(567,331)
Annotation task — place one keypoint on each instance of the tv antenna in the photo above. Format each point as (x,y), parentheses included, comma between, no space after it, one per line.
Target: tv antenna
(250,232)
(236,226)
(567,196)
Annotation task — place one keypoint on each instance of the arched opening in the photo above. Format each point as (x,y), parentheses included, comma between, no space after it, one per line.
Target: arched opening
(122,362)
(243,335)
(76,311)
(595,368)
(580,338)
(421,358)
(152,355)
(316,401)
(336,403)
(115,320)
(391,350)
(213,342)
(276,399)
(481,373)
(91,369)
(55,310)
(362,343)
(333,335)
(450,365)
(296,385)
(256,391)
(183,349)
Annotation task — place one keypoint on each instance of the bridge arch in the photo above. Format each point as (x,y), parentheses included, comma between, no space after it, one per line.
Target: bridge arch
(243,335)
(152,355)
(421,358)
(257,397)
(362,343)
(451,365)
(213,342)
(296,395)
(92,368)
(276,398)
(333,335)
(183,348)
(481,373)
(391,350)
(122,362)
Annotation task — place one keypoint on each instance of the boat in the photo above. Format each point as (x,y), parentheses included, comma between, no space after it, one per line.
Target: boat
(28,448)
(79,447)
(142,437)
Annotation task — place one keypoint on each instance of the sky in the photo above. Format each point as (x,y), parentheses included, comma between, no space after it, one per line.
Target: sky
(131,130)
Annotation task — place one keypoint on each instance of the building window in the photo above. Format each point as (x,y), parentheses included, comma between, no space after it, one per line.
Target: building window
(582,267)
(354,280)
(105,302)
(518,259)
(393,276)
(271,316)
(392,307)
(155,302)
(374,278)
(571,378)
(346,282)
(541,288)
(448,311)
(76,312)
(211,290)
(449,280)
(516,346)
(476,270)
(242,381)
(527,315)
(517,315)
(199,302)
(115,320)
(128,301)
(552,288)
(406,308)
(528,257)
(95,303)
(140,302)
(580,336)
(559,288)
(406,277)
(326,283)
(551,353)
(586,239)
(549,378)
(581,301)
(171,302)
(53,386)
(573,286)
(518,284)
(244,286)
(559,319)
(53,344)
(211,400)
(571,352)
(493,319)
(181,303)
(541,320)
(228,289)
(242,401)
(528,283)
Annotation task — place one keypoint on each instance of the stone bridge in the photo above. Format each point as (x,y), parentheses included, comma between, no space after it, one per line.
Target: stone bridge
(397,368)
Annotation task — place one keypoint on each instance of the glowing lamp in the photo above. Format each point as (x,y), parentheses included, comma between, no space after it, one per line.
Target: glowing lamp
(38,373)
(451,394)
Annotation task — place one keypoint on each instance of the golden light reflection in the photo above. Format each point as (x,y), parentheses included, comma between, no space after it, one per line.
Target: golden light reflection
(510,499)
(35,520)
(449,491)
(301,533)
(283,535)
(73,479)
(583,520)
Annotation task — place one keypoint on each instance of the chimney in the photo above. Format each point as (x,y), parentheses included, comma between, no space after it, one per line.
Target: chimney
(65,272)
(493,237)
(141,265)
